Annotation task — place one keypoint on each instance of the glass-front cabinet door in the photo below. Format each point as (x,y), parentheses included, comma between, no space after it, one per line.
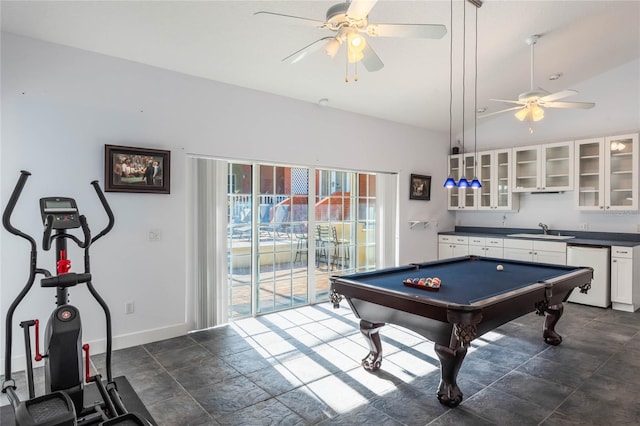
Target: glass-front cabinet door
(557,171)
(589,165)
(621,163)
(504,199)
(462,165)
(494,172)
(607,173)
(485,174)
(543,168)
(526,169)
(455,166)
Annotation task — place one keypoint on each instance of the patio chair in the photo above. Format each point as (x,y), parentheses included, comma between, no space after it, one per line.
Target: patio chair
(340,249)
(277,226)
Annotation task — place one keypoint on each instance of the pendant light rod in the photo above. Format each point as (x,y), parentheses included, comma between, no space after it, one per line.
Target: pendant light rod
(463,182)
(450,182)
(475,183)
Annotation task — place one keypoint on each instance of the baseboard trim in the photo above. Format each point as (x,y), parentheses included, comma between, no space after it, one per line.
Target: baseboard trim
(123,341)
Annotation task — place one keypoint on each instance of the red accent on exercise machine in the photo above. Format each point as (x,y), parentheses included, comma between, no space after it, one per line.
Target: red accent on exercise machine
(64,264)
(38,356)
(85,348)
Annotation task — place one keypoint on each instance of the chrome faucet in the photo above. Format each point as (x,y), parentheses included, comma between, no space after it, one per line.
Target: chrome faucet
(544,227)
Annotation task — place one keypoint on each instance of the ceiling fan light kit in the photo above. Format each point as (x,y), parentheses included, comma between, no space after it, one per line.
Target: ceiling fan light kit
(350,22)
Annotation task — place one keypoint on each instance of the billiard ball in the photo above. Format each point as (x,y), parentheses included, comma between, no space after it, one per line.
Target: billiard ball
(499,267)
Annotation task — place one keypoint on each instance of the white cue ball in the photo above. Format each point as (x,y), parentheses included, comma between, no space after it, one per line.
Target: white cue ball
(499,267)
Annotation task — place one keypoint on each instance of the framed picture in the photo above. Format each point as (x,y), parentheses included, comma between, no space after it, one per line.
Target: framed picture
(420,188)
(128,169)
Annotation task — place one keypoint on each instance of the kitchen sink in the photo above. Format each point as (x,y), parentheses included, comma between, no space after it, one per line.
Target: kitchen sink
(542,236)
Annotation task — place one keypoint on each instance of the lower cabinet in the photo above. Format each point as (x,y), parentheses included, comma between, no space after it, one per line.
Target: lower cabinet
(625,286)
(486,246)
(452,246)
(536,251)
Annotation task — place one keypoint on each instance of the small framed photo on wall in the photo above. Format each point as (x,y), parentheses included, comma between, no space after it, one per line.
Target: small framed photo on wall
(129,169)
(420,187)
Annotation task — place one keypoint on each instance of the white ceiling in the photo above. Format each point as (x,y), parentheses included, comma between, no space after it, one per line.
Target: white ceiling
(224,41)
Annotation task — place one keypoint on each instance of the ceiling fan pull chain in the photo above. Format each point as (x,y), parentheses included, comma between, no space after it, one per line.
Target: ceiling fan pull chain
(346,70)
(355,74)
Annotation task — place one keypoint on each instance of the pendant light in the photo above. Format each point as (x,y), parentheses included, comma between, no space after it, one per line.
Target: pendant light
(450,182)
(463,182)
(475,183)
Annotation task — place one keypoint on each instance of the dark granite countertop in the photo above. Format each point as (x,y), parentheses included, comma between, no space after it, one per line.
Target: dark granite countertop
(582,238)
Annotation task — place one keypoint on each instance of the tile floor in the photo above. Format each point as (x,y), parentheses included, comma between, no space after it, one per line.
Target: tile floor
(301,367)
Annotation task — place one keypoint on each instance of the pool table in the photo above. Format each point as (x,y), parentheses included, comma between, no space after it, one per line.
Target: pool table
(474,298)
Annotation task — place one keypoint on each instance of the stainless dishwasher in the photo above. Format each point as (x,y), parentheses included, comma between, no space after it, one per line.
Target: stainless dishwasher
(599,259)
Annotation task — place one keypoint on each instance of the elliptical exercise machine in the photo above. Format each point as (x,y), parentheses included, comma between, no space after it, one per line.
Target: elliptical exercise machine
(65,371)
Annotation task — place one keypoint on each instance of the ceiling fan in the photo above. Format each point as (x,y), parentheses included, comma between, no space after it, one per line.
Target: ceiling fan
(349,23)
(531,104)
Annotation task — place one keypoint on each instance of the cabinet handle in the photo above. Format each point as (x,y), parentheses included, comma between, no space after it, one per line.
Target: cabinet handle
(614,261)
(622,252)
(608,207)
(601,207)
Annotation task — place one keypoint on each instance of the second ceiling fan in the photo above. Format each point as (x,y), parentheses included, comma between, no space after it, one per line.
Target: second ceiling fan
(531,104)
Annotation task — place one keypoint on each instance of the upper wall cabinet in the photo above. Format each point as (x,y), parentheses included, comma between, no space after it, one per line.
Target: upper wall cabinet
(462,198)
(494,172)
(543,168)
(607,173)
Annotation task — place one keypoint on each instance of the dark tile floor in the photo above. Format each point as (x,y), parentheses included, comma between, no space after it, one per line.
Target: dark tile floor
(301,367)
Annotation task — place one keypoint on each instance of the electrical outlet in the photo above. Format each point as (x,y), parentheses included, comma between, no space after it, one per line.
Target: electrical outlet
(585,226)
(129,308)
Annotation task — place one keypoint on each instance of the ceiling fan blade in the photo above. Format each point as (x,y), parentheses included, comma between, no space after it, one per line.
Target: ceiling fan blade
(407,30)
(300,54)
(290,19)
(371,61)
(579,105)
(359,9)
(501,111)
(558,95)
(509,101)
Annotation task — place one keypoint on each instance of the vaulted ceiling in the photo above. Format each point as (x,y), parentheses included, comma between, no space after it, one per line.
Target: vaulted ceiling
(226,42)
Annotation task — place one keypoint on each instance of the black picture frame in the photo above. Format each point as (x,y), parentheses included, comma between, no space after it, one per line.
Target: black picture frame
(130,169)
(420,187)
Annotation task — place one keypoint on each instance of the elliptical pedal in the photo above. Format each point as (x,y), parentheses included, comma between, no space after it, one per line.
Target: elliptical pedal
(54,409)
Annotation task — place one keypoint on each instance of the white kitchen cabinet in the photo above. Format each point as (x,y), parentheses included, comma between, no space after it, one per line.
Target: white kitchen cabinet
(625,276)
(462,198)
(607,173)
(543,168)
(535,251)
(494,172)
(452,246)
(486,246)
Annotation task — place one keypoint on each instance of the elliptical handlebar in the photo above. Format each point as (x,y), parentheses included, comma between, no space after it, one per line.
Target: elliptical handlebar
(107,209)
(8,211)
(46,237)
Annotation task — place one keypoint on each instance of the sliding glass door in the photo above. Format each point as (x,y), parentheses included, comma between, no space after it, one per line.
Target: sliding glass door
(281,256)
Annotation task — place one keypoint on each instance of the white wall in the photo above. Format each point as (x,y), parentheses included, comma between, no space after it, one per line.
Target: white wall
(60,106)
(616,112)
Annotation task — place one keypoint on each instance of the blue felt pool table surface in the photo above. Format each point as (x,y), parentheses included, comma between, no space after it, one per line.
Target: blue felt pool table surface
(464,281)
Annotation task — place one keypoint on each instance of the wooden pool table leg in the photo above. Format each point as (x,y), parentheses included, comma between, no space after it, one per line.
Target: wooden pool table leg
(449,393)
(370,331)
(552,316)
